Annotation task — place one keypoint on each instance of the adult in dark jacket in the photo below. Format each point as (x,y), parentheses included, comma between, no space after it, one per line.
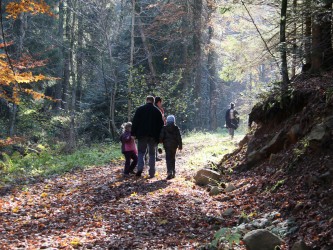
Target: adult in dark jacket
(231,120)
(171,139)
(146,127)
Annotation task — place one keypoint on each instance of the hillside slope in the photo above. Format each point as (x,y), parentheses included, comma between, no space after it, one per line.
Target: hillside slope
(285,163)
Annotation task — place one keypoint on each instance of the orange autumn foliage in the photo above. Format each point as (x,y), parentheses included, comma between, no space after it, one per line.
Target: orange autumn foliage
(13,81)
(34,7)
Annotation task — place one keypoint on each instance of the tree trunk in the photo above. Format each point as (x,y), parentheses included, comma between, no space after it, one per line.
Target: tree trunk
(294,41)
(283,47)
(197,15)
(316,55)
(148,52)
(79,58)
(326,34)
(307,36)
(66,54)
(72,134)
(13,111)
(130,80)
(58,86)
(212,83)
(113,90)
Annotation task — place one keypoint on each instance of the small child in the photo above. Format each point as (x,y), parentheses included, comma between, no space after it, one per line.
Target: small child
(171,139)
(128,148)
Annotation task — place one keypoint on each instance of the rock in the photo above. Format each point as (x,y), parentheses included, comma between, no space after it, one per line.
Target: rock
(261,223)
(300,245)
(228,212)
(261,239)
(207,176)
(294,133)
(275,145)
(214,191)
(254,157)
(230,188)
(317,133)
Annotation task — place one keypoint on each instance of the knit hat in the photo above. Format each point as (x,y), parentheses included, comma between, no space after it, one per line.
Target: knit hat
(171,119)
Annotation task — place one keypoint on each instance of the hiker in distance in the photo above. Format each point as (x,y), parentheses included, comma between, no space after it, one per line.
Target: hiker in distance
(171,139)
(231,119)
(146,127)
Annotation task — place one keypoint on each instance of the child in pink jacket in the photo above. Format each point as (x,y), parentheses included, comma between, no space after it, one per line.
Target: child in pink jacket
(128,148)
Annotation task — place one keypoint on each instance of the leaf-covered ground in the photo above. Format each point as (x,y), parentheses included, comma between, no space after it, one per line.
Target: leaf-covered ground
(97,208)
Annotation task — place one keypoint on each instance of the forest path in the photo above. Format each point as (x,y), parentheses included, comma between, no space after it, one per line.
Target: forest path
(97,208)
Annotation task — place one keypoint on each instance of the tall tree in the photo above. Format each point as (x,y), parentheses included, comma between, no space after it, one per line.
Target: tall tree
(283,46)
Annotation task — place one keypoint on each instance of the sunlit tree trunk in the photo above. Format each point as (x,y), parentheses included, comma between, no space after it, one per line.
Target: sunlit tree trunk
(148,51)
(283,47)
(212,82)
(197,15)
(73,75)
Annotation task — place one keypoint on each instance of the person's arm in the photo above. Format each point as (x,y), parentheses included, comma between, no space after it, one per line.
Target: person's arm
(135,123)
(180,142)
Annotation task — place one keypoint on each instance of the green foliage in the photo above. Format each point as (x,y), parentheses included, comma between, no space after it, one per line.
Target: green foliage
(329,94)
(278,185)
(49,162)
(226,235)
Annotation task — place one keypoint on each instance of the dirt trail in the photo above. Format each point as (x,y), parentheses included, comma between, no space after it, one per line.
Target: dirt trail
(97,208)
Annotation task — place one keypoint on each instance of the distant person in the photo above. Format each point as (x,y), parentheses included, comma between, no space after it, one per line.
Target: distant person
(171,139)
(158,104)
(128,148)
(146,127)
(231,119)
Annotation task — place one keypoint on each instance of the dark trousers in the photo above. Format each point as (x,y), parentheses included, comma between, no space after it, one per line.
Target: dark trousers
(130,155)
(170,157)
(143,144)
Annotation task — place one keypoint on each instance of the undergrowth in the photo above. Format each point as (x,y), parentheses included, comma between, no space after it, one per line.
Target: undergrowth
(49,162)
(202,148)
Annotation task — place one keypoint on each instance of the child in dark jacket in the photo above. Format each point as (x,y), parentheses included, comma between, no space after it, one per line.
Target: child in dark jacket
(171,139)
(128,148)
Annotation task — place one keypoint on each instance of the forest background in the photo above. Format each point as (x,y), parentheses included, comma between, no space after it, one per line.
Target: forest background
(72,76)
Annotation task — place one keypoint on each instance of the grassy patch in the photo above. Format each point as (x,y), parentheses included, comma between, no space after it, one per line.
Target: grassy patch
(207,148)
(51,162)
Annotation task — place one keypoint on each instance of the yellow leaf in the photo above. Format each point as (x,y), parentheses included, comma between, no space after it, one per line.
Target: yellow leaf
(162,222)
(128,211)
(43,195)
(76,242)
(15,210)
(134,194)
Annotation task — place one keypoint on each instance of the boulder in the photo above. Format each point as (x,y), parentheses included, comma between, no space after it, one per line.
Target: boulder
(230,187)
(207,176)
(261,239)
(214,191)
(300,245)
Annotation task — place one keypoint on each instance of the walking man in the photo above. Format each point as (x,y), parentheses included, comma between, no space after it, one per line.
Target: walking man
(231,119)
(146,127)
